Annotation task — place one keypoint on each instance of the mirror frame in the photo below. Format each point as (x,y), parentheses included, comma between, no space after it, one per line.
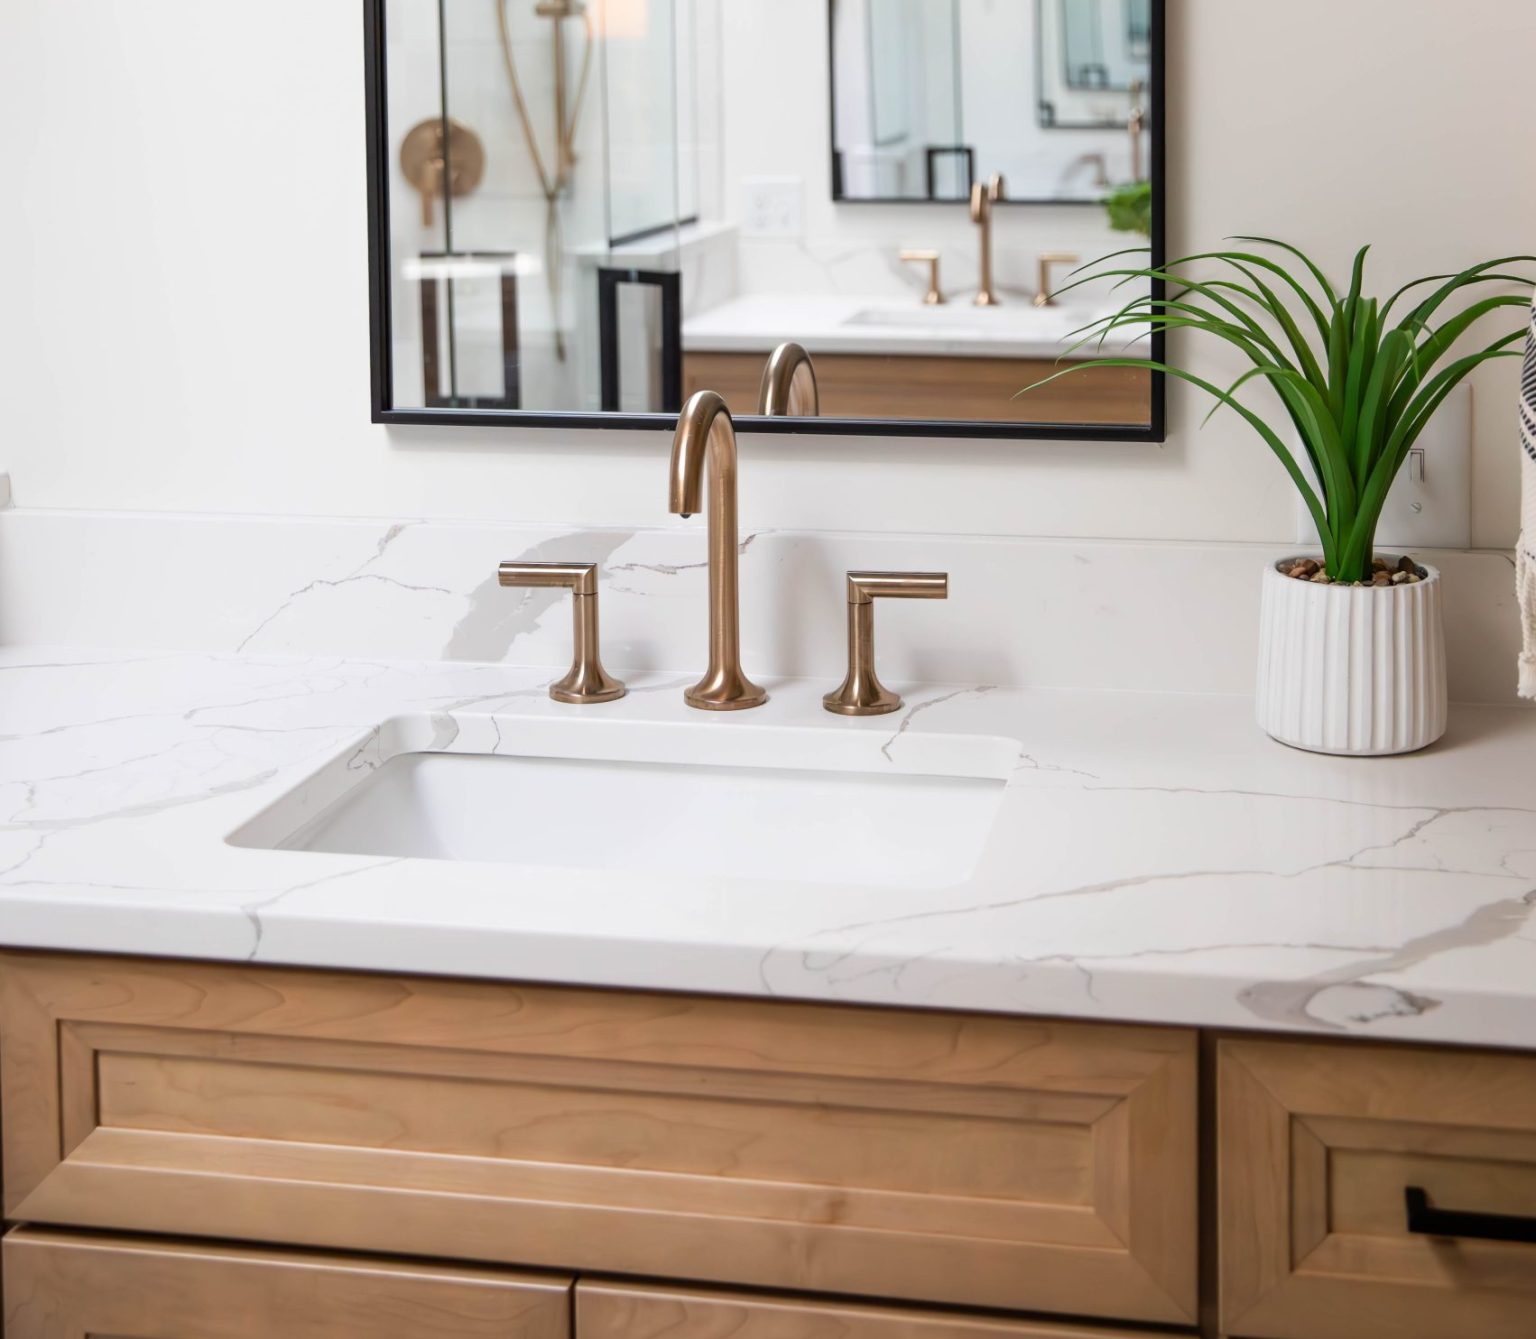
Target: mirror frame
(381,371)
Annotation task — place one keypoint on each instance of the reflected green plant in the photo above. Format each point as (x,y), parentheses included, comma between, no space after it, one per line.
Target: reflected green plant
(1130,208)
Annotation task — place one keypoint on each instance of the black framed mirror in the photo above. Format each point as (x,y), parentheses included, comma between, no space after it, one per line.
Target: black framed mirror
(581,211)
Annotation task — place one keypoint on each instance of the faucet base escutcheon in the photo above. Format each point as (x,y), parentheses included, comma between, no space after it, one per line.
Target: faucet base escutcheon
(725,690)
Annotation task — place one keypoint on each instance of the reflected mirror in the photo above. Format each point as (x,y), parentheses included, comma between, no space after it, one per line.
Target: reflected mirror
(582,212)
(1095,59)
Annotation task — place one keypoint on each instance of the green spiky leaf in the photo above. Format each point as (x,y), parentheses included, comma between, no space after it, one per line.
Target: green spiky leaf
(1357,395)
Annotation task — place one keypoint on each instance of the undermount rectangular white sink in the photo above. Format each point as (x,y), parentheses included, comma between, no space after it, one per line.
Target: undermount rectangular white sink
(813,806)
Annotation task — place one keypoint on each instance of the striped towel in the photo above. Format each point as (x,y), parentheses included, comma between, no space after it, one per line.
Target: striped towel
(1525,554)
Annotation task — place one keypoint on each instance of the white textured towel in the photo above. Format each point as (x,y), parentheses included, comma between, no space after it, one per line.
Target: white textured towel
(1525,553)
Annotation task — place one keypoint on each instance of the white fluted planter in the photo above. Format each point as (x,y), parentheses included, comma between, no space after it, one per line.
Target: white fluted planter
(1356,670)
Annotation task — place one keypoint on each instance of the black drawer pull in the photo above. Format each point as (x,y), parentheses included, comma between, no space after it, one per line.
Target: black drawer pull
(1428,1221)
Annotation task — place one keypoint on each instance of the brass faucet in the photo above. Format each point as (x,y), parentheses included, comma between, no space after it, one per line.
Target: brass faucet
(983,197)
(705,428)
(789,385)
(1043,296)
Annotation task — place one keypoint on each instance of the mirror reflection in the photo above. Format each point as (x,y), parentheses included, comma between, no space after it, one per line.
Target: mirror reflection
(597,208)
(1095,61)
(932,96)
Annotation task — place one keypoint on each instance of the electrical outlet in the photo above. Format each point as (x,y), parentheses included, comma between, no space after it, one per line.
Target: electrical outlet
(1430,505)
(773,207)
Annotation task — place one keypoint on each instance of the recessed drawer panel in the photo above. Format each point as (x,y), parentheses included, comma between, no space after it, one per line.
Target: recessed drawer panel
(1370,1190)
(939,1157)
(619,1311)
(61,1285)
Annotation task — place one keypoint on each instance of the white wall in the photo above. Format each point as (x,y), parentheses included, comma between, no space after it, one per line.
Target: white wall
(183,322)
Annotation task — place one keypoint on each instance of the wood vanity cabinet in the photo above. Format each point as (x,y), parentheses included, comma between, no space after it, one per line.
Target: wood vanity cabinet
(793,1171)
(1318,1148)
(935,387)
(61,1285)
(988,1162)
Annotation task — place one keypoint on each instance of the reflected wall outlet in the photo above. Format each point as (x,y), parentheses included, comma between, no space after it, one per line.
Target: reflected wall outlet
(772,207)
(1430,505)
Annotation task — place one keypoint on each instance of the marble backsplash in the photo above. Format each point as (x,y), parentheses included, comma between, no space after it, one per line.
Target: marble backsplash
(1022,612)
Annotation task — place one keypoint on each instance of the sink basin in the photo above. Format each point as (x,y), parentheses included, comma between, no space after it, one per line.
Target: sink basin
(812,806)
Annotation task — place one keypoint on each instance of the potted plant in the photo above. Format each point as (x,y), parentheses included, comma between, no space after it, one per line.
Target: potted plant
(1352,652)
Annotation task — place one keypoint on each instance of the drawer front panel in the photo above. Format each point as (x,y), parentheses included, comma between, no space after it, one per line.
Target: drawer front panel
(1319,1146)
(619,1311)
(568,1118)
(62,1286)
(950,1158)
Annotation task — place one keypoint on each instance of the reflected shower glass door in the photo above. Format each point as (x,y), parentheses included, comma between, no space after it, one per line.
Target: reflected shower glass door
(560,145)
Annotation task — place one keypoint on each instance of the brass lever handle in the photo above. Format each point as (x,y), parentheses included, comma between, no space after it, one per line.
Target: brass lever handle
(935,296)
(1043,296)
(862,693)
(587,680)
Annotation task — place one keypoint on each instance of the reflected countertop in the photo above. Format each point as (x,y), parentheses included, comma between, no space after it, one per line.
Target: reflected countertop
(1155,857)
(887,326)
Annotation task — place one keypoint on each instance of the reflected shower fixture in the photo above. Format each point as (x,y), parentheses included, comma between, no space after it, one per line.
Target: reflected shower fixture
(441,164)
(555,173)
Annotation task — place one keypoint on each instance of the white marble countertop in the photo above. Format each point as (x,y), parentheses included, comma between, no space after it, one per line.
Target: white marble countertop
(1155,859)
(845,324)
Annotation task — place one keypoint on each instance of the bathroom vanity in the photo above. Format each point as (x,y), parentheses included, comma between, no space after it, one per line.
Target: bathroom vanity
(361,977)
(1166,1034)
(908,360)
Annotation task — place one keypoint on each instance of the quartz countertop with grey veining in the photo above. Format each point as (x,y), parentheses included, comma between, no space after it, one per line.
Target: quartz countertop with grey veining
(1155,857)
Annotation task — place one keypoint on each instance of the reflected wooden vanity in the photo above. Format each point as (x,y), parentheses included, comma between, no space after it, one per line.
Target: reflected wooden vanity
(937,388)
(198,1151)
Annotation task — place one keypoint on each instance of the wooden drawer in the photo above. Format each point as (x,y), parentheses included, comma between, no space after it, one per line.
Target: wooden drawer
(1318,1147)
(618,1311)
(938,1157)
(62,1286)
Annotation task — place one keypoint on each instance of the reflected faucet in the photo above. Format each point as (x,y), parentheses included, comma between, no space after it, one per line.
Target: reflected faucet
(983,197)
(1136,124)
(1099,165)
(1043,294)
(705,429)
(789,385)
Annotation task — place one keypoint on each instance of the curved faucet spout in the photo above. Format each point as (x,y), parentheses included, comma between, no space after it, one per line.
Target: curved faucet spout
(705,431)
(789,384)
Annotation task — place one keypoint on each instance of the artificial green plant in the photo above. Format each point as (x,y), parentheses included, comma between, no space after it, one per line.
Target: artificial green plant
(1358,388)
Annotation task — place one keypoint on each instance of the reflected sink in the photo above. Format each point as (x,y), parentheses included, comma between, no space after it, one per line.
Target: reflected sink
(1010,321)
(810,806)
